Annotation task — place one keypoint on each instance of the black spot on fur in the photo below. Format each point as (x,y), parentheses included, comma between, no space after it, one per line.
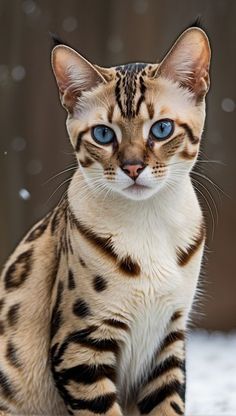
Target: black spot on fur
(129,267)
(6,388)
(13,314)
(99,283)
(11,355)
(18,272)
(81,308)
(39,230)
(82,262)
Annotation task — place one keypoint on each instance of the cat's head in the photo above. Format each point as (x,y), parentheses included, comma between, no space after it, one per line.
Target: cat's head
(136,128)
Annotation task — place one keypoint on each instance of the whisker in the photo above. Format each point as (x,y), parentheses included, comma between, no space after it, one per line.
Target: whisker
(73,167)
(209,207)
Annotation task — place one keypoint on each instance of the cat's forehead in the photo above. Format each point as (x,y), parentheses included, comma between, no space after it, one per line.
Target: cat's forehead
(133,95)
(129,87)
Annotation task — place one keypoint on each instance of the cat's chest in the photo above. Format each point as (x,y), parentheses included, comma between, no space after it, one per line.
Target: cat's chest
(148,314)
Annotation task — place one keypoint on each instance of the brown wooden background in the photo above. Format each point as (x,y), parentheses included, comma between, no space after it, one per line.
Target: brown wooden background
(33,139)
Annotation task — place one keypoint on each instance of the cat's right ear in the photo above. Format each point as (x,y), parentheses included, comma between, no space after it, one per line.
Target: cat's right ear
(74,74)
(188,61)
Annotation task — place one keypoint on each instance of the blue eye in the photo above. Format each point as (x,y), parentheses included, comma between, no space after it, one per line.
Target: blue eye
(103,134)
(162,129)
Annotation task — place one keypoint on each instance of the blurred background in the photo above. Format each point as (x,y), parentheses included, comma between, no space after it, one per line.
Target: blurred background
(33,141)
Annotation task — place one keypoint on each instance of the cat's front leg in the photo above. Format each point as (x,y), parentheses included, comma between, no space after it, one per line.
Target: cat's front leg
(163,392)
(84,369)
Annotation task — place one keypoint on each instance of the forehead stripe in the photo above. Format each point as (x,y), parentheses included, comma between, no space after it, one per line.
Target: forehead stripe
(110,113)
(142,94)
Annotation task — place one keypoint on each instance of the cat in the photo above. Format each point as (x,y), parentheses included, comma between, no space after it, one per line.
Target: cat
(94,302)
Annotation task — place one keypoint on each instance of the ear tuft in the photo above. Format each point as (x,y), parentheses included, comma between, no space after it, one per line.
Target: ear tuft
(74,74)
(198,22)
(188,61)
(56,40)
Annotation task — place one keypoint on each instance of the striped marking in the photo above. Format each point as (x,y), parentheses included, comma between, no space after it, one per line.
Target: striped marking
(86,163)
(188,156)
(116,324)
(100,404)
(110,113)
(176,408)
(193,139)
(87,374)
(159,395)
(2,302)
(176,315)
(56,321)
(171,338)
(2,328)
(126,265)
(142,94)
(185,255)
(79,139)
(71,280)
(82,337)
(168,364)
(150,109)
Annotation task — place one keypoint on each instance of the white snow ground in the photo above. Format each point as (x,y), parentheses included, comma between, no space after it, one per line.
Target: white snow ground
(211,374)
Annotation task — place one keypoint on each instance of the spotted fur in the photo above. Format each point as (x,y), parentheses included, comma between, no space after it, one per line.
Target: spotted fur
(94,301)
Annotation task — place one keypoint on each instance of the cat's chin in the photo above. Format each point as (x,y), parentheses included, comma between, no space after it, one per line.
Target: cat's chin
(138,192)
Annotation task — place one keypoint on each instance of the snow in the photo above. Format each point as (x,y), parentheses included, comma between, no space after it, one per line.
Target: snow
(211,374)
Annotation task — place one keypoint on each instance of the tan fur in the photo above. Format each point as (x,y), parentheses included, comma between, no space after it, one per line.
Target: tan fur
(94,301)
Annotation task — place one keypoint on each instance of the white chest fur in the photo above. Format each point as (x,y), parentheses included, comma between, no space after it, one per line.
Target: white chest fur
(149,233)
(150,315)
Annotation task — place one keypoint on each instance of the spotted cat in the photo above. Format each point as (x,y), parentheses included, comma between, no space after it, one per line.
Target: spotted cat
(94,301)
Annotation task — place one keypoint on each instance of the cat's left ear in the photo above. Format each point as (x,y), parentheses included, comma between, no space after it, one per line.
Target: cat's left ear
(74,74)
(188,62)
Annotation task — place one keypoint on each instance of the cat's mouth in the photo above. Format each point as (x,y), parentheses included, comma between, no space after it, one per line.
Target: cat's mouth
(136,187)
(136,191)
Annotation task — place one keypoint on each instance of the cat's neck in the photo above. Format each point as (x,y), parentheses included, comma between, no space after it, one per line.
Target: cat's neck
(106,211)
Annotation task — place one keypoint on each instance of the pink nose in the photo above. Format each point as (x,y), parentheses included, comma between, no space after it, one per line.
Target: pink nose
(133,169)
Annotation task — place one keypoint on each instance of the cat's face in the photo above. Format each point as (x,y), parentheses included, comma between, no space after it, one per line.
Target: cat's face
(136,128)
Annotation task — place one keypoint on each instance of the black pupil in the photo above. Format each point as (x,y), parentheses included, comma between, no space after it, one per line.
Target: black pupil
(162,127)
(104,131)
